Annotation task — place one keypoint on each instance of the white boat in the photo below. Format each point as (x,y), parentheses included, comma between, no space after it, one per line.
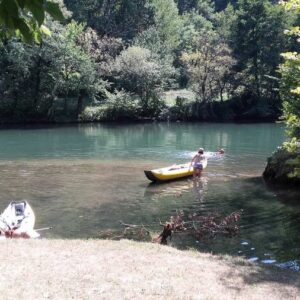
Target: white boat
(18,220)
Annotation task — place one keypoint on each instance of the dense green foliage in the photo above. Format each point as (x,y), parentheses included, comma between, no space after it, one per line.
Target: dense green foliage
(290,92)
(37,81)
(24,18)
(113,60)
(257,43)
(284,165)
(118,18)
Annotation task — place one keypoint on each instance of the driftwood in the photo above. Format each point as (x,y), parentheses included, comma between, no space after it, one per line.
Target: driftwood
(199,226)
(167,232)
(142,230)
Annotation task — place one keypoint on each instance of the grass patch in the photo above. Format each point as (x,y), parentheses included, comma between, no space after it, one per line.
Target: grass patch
(103,269)
(170,96)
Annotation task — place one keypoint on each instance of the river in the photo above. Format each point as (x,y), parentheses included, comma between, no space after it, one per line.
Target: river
(85,179)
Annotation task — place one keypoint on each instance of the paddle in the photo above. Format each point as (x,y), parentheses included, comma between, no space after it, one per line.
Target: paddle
(43,228)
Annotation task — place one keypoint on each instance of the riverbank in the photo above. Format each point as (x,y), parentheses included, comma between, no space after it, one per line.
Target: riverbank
(283,168)
(173,106)
(101,269)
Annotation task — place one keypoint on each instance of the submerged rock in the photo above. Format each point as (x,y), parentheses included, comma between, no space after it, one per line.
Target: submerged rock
(291,265)
(253,259)
(244,243)
(268,261)
(283,168)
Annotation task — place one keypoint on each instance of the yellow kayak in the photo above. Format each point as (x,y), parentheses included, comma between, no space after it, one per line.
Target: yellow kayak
(172,172)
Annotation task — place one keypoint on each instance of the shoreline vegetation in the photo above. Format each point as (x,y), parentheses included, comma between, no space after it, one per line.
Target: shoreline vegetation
(140,60)
(175,106)
(283,168)
(175,60)
(145,60)
(104,269)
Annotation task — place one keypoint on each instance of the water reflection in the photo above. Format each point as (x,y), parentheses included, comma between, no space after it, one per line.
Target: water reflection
(178,189)
(199,185)
(158,142)
(87,178)
(175,188)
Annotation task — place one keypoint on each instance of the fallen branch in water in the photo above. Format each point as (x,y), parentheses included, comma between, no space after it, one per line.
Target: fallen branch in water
(199,226)
(167,232)
(141,232)
(130,231)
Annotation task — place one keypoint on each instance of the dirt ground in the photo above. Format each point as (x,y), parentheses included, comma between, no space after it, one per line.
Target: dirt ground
(100,269)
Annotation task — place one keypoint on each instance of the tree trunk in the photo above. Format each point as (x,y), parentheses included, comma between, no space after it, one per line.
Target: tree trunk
(79,103)
(211,111)
(221,93)
(257,83)
(38,79)
(65,104)
(38,82)
(51,111)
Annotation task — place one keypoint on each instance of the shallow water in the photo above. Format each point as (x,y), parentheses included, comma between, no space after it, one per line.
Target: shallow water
(85,179)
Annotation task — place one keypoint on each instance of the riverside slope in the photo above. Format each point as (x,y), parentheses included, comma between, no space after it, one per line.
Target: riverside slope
(101,269)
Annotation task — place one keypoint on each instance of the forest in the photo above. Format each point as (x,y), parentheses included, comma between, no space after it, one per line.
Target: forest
(139,60)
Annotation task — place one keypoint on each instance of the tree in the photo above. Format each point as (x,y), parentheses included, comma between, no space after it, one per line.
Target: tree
(167,22)
(257,40)
(284,165)
(138,71)
(192,25)
(220,5)
(209,67)
(25,18)
(290,85)
(224,23)
(162,38)
(290,92)
(77,73)
(186,5)
(34,77)
(206,9)
(103,50)
(115,18)
(150,39)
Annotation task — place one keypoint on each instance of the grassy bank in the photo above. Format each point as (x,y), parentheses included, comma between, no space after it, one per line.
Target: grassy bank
(98,269)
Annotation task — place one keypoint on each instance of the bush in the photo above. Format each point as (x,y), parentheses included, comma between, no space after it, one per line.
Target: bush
(119,107)
(93,113)
(283,167)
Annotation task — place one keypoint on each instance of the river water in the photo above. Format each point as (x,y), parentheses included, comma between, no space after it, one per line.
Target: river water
(85,179)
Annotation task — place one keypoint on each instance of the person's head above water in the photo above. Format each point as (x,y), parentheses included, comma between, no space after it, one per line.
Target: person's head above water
(200,150)
(221,151)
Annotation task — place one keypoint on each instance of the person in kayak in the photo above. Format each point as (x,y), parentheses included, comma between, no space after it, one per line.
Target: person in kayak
(197,163)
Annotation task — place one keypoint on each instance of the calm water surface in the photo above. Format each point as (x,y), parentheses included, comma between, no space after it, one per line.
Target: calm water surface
(85,179)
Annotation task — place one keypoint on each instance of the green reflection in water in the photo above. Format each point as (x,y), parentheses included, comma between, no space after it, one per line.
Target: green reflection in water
(84,179)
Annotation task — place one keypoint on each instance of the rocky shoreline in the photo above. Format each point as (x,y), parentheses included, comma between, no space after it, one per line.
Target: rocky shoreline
(283,168)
